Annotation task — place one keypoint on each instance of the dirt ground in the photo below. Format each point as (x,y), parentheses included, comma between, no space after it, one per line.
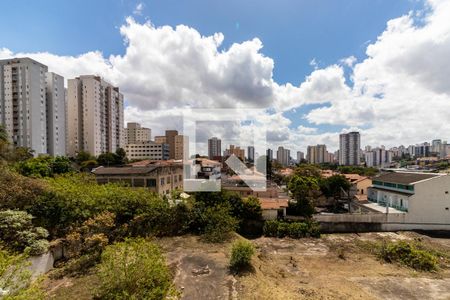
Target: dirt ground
(335,266)
(331,267)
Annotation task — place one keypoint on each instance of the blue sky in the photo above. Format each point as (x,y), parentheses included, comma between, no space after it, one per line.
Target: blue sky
(293,32)
(399,73)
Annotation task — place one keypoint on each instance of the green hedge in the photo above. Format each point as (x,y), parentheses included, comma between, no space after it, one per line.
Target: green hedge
(274,228)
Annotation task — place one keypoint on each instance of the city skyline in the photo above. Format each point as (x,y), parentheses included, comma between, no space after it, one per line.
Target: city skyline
(375,89)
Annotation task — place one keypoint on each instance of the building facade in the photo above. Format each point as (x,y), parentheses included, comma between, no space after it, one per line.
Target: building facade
(423,197)
(349,149)
(214,147)
(300,156)
(56,114)
(135,133)
(251,153)
(32,106)
(147,150)
(235,150)
(94,116)
(160,177)
(283,156)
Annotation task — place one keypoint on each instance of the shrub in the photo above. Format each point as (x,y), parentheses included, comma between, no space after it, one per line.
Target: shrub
(219,224)
(270,228)
(241,254)
(408,255)
(134,269)
(274,228)
(18,232)
(252,208)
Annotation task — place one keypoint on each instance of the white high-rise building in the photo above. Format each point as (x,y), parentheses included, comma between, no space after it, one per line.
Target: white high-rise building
(56,114)
(95,116)
(378,157)
(349,149)
(214,147)
(32,106)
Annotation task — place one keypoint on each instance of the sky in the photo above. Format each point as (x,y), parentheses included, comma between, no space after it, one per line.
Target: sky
(315,68)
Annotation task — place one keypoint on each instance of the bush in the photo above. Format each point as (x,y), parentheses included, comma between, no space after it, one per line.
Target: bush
(134,269)
(219,224)
(241,254)
(252,208)
(271,228)
(408,255)
(18,232)
(274,228)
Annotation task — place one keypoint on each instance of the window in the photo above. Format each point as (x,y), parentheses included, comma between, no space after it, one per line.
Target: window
(151,182)
(162,181)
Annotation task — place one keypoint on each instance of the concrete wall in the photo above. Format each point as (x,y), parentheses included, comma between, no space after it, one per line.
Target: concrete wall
(430,203)
(373,222)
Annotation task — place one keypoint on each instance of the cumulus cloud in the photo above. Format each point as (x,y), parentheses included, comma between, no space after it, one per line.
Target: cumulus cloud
(398,94)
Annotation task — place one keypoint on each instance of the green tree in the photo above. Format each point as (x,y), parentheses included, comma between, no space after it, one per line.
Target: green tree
(252,208)
(333,185)
(107,159)
(305,190)
(308,170)
(134,269)
(121,156)
(219,224)
(83,156)
(19,234)
(61,165)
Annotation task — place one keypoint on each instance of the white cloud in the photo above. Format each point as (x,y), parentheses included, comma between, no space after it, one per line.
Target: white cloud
(138,9)
(349,61)
(399,92)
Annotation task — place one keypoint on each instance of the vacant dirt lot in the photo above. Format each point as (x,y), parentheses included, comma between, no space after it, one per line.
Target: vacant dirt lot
(337,266)
(332,267)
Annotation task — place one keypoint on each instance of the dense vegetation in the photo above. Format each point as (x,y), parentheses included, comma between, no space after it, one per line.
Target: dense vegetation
(134,269)
(274,228)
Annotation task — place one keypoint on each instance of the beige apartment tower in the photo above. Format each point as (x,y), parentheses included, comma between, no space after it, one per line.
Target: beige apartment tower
(178,144)
(135,133)
(94,116)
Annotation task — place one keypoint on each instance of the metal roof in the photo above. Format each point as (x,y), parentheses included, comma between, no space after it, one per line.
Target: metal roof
(123,170)
(404,177)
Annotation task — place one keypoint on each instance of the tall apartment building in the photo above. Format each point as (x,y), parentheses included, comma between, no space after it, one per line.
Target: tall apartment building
(95,116)
(178,144)
(269,154)
(283,156)
(236,150)
(300,156)
(349,149)
(214,147)
(147,150)
(56,114)
(378,157)
(251,153)
(32,106)
(135,133)
(317,154)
